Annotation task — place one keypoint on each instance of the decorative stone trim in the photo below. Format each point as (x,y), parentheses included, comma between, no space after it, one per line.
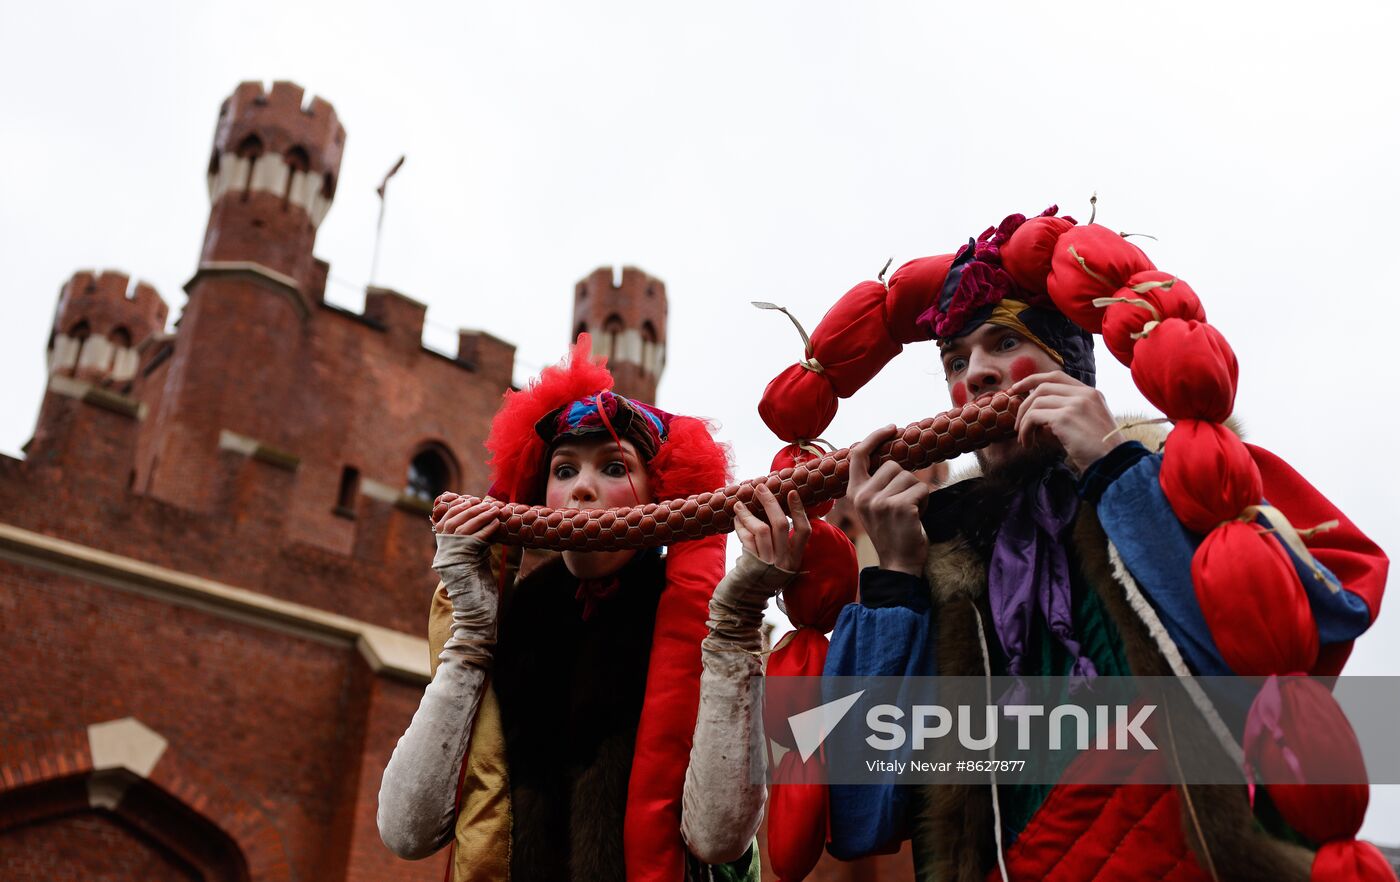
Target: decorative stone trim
(629,347)
(128,407)
(248,270)
(69,387)
(125,744)
(389,653)
(415,504)
(87,393)
(269,174)
(378,491)
(251,447)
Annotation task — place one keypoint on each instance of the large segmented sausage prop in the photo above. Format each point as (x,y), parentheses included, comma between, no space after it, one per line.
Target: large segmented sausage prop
(935,439)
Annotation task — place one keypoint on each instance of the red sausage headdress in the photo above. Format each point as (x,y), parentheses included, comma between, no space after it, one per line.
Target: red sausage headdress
(1239,497)
(1000,277)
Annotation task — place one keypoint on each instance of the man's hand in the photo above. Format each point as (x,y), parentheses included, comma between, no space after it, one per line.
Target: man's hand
(889,504)
(770,542)
(1063,411)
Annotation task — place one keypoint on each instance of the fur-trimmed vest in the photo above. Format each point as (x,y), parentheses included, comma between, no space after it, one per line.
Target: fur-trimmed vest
(953,831)
(570,692)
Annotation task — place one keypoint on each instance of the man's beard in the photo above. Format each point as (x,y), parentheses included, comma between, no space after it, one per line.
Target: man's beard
(1023,464)
(976,508)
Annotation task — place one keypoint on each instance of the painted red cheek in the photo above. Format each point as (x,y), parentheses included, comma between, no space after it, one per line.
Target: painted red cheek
(1021,368)
(959,393)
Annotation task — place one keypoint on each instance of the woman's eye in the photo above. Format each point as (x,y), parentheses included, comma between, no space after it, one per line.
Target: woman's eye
(955,366)
(1010,341)
(615,470)
(565,471)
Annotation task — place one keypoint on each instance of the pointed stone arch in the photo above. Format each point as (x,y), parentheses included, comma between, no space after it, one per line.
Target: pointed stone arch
(121,780)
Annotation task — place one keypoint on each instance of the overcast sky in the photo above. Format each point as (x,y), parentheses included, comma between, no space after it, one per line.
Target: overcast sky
(763,150)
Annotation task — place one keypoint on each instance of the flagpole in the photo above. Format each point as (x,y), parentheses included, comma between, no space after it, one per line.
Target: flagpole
(379,227)
(378,234)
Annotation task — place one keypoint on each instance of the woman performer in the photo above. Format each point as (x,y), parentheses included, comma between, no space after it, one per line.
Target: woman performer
(555,740)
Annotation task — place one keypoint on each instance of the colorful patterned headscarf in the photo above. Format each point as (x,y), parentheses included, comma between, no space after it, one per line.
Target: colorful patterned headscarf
(978,290)
(607,413)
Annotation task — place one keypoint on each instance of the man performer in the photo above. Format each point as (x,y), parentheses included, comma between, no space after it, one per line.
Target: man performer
(1069,559)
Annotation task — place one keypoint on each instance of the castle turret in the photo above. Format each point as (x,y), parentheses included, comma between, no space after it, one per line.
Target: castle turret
(243,337)
(627,319)
(272,176)
(92,409)
(101,322)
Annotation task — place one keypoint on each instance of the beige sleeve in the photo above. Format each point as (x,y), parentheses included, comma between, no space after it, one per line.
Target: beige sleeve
(722,803)
(417,796)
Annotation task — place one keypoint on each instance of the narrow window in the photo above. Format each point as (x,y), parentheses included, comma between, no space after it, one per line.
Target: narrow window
(250,148)
(297,161)
(349,488)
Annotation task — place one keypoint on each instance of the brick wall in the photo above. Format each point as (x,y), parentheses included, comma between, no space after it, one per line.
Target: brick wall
(275,739)
(87,847)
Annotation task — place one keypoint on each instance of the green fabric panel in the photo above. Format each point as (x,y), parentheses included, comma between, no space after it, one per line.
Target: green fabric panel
(1101,643)
(746,868)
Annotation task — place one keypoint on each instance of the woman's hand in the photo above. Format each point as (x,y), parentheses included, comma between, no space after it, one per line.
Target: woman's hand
(770,542)
(458,515)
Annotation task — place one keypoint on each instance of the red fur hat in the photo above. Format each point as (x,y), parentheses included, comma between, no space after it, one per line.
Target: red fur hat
(687,461)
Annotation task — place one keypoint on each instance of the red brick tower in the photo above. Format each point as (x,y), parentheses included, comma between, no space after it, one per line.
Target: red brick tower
(272,177)
(244,333)
(627,319)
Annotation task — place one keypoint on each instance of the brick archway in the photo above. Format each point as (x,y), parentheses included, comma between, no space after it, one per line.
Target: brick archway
(131,773)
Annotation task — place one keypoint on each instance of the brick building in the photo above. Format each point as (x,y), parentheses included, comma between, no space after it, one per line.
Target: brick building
(214,562)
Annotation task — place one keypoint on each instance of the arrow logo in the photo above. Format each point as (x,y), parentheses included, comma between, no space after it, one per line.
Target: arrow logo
(810,728)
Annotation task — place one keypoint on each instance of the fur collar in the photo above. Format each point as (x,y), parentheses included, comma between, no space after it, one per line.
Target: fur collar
(571,693)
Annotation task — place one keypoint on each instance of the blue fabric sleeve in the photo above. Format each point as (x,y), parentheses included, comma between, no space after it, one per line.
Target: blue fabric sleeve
(1157,550)
(1097,477)
(888,634)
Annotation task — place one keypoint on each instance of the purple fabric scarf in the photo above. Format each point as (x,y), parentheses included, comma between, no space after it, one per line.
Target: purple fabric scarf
(1029,571)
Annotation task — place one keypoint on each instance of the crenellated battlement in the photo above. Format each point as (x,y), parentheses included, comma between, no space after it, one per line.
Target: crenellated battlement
(625,311)
(101,321)
(281,122)
(274,142)
(109,301)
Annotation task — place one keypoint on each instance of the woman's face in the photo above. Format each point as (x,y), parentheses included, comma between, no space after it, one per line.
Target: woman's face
(594,473)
